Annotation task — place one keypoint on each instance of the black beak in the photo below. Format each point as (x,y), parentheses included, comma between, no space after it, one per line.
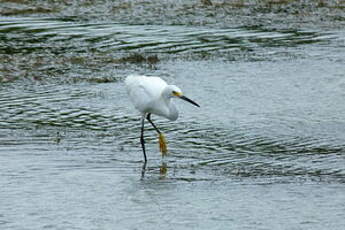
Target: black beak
(189,100)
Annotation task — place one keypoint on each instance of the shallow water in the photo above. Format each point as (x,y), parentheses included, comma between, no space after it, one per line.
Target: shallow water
(264,151)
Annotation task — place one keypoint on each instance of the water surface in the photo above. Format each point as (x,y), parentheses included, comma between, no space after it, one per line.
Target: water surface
(264,151)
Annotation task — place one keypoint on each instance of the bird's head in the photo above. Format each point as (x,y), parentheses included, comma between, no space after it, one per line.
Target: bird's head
(176,92)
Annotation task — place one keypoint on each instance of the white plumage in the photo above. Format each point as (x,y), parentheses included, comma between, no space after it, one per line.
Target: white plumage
(152,95)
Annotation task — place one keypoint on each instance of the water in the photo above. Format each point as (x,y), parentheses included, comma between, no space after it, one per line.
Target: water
(264,151)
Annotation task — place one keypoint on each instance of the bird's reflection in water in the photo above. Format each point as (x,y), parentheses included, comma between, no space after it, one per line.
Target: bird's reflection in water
(143,170)
(163,170)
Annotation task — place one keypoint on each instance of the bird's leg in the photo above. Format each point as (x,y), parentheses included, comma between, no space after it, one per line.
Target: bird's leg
(142,141)
(162,142)
(154,126)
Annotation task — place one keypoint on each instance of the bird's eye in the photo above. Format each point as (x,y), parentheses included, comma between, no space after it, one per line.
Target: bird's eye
(176,94)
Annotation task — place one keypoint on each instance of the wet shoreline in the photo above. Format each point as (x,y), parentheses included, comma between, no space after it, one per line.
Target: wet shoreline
(271,14)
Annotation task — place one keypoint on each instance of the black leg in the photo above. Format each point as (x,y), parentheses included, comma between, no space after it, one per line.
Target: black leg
(142,141)
(161,138)
(154,126)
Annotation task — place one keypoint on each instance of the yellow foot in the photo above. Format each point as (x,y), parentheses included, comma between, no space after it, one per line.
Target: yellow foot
(162,144)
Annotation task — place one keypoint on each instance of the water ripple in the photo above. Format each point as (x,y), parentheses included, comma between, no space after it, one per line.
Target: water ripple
(155,38)
(59,104)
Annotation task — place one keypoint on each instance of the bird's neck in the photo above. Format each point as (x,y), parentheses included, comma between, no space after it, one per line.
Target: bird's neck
(173,113)
(170,111)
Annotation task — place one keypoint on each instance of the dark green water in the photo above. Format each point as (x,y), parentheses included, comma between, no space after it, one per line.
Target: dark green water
(265,150)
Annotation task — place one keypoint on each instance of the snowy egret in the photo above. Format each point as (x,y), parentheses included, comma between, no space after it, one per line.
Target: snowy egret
(152,95)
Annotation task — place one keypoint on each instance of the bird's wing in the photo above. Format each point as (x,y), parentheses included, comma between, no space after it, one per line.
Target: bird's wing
(144,90)
(154,86)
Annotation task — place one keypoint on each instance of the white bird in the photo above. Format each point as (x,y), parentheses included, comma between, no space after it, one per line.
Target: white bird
(152,95)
